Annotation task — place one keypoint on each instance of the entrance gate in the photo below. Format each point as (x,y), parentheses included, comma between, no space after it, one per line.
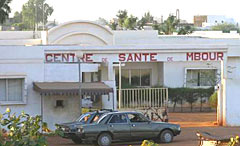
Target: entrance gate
(141,98)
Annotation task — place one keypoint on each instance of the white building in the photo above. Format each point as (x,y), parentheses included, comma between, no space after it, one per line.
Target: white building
(207,21)
(40,75)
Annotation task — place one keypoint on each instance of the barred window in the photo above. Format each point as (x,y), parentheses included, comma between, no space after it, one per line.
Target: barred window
(201,77)
(11,89)
(135,77)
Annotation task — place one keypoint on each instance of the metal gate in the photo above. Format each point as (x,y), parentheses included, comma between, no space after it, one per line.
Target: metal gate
(139,98)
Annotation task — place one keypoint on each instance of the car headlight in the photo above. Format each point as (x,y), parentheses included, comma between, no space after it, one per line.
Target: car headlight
(80,130)
(179,128)
(65,129)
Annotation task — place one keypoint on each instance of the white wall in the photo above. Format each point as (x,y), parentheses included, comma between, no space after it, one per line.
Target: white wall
(232,111)
(80,32)
(53,114)
(26,61)
(66,72)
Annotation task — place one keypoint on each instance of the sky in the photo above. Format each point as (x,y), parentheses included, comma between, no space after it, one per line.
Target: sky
(68,10)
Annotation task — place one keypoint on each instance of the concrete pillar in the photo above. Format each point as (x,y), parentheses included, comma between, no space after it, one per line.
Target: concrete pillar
(111,74)
(222,103)
(109,101)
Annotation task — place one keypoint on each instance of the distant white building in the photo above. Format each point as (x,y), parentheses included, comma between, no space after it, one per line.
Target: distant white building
(207,21)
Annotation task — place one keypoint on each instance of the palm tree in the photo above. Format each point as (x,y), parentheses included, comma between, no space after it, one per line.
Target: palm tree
(170,25)
(4,10)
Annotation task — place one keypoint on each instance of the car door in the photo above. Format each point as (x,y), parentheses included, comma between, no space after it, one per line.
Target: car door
(119,126)
(140,127)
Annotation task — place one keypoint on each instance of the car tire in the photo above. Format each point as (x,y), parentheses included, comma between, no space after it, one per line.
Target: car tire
(166,136)
(77,140)
(104,139)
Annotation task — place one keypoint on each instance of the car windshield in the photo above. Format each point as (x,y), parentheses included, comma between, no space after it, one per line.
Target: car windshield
(83,118)
(96,118)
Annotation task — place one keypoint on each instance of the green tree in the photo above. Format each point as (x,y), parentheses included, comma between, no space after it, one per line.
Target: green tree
(190,96)
(17,17)
(225,27)
(147,18)
(213,100)
(35,12)
(102,21)
(113,25)
(122,15)
(175,96)
(4,10)
(170,25)
(130,22)
(185,30)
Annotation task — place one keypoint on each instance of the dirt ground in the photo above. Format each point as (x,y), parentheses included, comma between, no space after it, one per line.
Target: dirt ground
(190,123)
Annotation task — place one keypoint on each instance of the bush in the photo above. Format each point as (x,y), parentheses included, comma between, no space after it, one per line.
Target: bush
(190,95)
(213,100)
(22,130)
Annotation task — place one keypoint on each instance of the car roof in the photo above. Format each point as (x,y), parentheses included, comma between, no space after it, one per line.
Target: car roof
(99,111)
(122,112)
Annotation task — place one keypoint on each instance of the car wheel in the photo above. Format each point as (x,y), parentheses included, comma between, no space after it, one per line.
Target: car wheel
(104,139)
(77,140)
(166,136)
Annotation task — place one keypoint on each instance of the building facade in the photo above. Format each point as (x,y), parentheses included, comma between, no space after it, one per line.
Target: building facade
(37,72)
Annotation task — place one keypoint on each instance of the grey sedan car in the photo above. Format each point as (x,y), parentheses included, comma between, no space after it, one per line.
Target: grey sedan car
(68,130)
(127,126)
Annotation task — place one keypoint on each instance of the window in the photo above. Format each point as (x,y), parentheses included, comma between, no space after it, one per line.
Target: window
(135,77)
(84,119)
(59,103)
(96,76)
(201,77)
(119,118)
(137,118)
(11,89)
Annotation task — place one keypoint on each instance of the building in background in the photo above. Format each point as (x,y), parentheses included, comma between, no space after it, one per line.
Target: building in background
(206,21)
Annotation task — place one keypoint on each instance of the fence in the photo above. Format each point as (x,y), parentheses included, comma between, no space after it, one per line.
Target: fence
(142,97)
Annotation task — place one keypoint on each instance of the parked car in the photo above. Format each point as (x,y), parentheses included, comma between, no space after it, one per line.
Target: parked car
(69,130)
(126,126)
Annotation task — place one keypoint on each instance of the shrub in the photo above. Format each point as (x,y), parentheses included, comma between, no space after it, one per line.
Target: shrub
(213,100)
(190,95)
(22,130)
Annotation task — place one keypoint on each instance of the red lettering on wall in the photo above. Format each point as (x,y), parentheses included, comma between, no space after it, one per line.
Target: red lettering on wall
(145,54)
(88,57)
(197,56)
(138,57)
(72,55)
(48,58)
(152,57)
(65,57)
(219,55)
(212,55)
(189,56)
(121,57)
(57,57)
(205,56)
(130,58)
